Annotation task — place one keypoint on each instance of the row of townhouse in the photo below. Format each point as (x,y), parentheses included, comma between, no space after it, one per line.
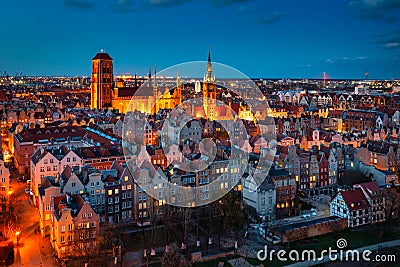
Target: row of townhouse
(32,117)
(312,169)
(74,203)
(90,143)
(178,129)
(358,119)
(340,120)
(363,204)
(74,225)
(336,100)
(110,193)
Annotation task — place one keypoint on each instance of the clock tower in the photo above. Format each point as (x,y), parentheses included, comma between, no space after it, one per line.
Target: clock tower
(209,91)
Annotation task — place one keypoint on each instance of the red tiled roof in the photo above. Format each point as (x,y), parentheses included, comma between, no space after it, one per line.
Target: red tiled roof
(355,199)
(371,188)
(35,134)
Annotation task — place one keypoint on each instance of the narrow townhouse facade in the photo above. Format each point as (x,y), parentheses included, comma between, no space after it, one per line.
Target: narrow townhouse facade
(285,186)
(4,185)
(48,189)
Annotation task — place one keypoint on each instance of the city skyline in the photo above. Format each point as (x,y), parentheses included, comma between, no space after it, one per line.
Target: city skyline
(261,39)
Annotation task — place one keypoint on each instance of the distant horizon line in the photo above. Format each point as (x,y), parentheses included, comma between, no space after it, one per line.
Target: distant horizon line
(252,78)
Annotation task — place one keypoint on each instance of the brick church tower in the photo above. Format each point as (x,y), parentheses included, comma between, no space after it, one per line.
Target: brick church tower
(102,81)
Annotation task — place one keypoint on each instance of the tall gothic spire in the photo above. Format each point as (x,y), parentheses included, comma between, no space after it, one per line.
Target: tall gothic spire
(208,77)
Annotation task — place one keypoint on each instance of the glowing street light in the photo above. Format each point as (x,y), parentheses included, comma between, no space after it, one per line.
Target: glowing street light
(17,234)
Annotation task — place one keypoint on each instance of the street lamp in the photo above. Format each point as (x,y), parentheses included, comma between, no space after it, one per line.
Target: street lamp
(17,234)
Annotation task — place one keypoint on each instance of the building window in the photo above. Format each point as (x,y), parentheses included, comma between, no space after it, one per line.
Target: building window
(62,239)
(110,192)
(62,228)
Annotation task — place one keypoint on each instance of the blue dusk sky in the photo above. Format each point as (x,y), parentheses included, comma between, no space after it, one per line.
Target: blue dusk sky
(274,39)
